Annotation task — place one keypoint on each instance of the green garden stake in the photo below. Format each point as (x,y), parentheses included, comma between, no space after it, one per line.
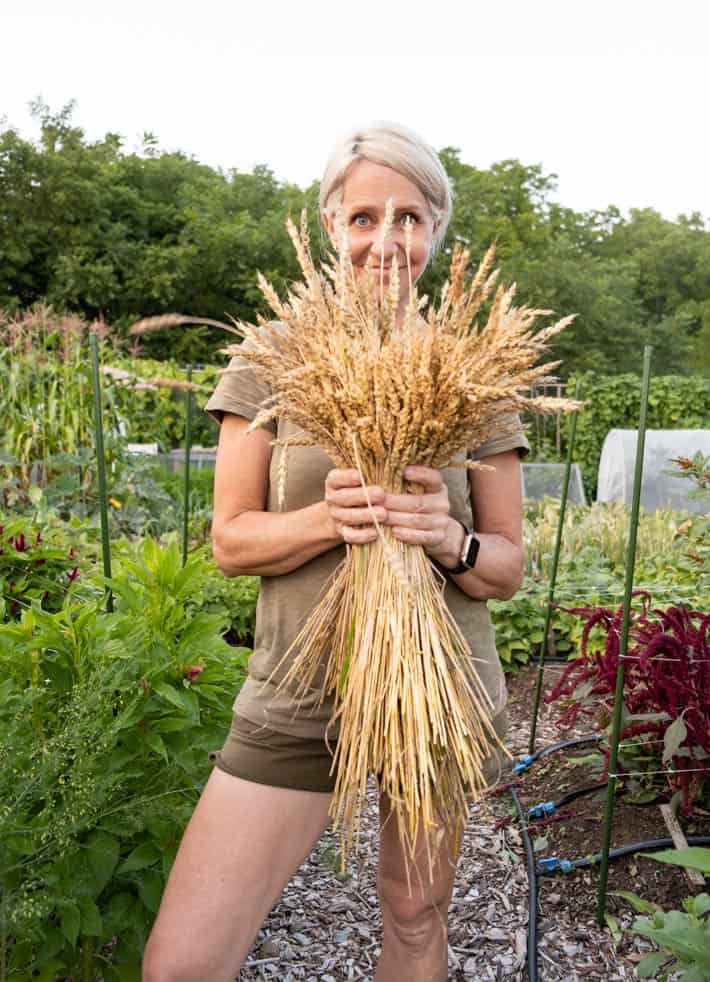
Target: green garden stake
(624,638)
(553,574)
(101,464)
(188,445)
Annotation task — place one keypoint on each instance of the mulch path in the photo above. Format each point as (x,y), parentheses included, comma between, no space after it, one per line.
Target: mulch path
(327,928)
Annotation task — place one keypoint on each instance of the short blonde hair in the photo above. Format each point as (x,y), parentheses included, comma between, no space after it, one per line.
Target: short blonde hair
(404,151)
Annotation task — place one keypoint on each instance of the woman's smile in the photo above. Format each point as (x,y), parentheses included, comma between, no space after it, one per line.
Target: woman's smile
(367,190)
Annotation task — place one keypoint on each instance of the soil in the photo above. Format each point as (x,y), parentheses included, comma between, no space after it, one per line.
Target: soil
(579,834)
(327,928)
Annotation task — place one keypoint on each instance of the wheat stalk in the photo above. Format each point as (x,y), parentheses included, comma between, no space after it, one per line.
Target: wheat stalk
(149,324)
(379,388)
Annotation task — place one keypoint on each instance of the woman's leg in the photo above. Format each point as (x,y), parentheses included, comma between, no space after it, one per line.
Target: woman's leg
(415,939)
(415,936)
(241,847)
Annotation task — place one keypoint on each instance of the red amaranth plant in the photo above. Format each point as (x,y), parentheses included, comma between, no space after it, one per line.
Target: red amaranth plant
(666,684)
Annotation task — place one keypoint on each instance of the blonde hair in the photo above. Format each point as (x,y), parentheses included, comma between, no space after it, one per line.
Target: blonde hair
(404,151)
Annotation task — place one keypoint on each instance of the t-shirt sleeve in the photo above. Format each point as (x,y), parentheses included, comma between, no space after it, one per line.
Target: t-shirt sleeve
(239,391)
(510,435)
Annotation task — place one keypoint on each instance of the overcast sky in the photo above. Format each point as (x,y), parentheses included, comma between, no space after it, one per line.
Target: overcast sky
(613,97)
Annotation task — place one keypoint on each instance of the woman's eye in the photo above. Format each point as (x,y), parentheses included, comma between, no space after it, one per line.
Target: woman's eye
(409,218)
(362,221)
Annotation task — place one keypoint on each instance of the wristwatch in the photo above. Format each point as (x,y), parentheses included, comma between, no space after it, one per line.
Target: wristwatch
(469,553)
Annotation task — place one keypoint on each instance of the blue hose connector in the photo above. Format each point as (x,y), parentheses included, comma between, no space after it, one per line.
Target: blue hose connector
(541,809)
(551,864)
(524,762)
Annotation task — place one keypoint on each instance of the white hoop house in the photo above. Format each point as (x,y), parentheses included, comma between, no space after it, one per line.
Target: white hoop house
(546,480)
(658,490)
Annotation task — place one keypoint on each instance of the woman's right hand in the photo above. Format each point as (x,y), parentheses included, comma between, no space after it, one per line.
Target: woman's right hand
(347,506)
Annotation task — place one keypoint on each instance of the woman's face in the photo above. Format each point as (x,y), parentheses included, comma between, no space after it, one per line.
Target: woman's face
(366,191)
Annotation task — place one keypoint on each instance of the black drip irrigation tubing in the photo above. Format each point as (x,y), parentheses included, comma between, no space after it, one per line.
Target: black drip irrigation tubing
(552,864)
(566,865)
(532,953)
(529,759)
(545,808)
(532,891)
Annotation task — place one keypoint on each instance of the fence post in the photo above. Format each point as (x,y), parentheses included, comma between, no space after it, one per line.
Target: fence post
(624,639)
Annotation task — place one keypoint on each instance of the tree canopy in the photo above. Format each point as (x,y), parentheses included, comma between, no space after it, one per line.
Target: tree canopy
(92,228)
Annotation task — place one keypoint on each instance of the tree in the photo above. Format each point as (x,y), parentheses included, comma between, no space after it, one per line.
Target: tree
(94,229)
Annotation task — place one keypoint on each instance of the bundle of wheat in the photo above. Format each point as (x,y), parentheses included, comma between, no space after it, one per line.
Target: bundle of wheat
(378,389)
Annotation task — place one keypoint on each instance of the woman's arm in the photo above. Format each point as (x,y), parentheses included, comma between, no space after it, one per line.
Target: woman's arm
(247,539)
(497,509)
(497,502)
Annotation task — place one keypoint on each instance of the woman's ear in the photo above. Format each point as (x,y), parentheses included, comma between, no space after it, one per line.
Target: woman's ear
(328,225)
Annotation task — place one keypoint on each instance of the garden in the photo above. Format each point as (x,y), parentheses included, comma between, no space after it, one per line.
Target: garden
(118,680)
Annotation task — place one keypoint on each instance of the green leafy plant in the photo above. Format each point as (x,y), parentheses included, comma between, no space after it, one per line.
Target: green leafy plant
(39,562)
(106,722)
(684,936)
(597,534)
(692,857)
(592,564)
(666,714)
(694,533)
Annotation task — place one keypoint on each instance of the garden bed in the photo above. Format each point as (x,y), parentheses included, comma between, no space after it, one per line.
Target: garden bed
(329,930)
(580,834)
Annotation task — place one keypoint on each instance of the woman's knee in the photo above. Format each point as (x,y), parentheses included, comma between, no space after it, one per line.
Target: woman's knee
(418,918)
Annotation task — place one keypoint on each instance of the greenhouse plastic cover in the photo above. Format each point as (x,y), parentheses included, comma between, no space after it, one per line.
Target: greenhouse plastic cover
(546,481)
(658,490)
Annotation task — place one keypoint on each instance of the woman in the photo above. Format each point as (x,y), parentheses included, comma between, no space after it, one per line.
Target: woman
(266,802)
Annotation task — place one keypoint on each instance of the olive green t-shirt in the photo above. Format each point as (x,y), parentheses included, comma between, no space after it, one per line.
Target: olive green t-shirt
(285,601)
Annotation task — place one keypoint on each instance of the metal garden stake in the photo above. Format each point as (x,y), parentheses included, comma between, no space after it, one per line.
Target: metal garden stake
(623,640)
(101,465)
(188,445)
(553,574)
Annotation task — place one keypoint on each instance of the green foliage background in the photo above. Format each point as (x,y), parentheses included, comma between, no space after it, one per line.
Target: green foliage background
(106,723)
(93,228)
(675,402)
(106,719)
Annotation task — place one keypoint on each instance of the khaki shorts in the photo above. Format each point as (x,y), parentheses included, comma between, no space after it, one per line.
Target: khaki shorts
(254,752)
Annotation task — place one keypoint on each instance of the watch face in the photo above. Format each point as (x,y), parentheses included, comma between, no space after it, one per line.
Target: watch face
(472,552)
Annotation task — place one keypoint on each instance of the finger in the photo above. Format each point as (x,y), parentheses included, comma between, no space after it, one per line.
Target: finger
(432,503)
(433,522)
(358,516)
(343,478)
(354,497)
(418,537)
(429,477)
(358,536)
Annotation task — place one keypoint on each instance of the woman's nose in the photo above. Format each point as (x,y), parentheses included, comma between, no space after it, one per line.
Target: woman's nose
(384,250)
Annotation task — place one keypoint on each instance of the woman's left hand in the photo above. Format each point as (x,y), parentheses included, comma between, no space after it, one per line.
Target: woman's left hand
(424,519)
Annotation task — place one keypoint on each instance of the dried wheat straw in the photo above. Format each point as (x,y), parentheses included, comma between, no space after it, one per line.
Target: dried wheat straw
(377,389)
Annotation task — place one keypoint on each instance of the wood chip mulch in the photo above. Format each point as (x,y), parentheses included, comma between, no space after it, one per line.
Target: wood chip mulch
(328,929)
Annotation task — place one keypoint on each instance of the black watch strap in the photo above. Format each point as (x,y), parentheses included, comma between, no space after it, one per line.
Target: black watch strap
(469,554)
